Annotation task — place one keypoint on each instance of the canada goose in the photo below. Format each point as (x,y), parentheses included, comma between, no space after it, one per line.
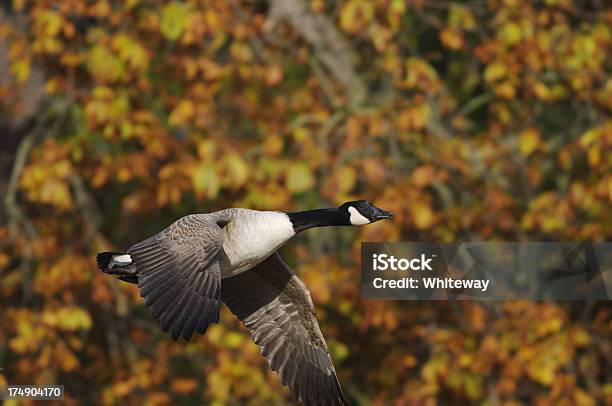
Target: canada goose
(184,271)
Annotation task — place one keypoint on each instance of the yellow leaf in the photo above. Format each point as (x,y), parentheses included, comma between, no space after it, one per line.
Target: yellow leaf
(102,92)
(380,36)
(452,39)
(461,17)
(542,370)
(420,74)
(589,137)
(582,398)
(53,191)
(542,91)
(173,20)
(205,181)
(299,178)
(338,349)
(580,337)
(21,70)
(495,71)
(422,215)
(509,33)
(594,156)
(103,64)
(68,361)
(473,386)
(241,51)
(238,170)
(355,15)
(273,145)
(233,340)
(414,118)
(301,133)
(18,5)
(207,150)
(529,141)
(552,222)
(131,52)
(182,113)
(423,175)
(67,318)
(398,7)
(506,90)
(48,23)
(346,176)
(374,170)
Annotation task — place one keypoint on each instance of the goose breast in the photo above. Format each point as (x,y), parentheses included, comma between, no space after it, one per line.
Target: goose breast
(251,237)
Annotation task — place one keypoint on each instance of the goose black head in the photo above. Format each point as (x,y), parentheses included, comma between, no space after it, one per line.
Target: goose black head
(360,212)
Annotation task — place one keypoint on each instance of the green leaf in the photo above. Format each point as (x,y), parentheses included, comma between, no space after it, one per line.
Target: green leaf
(205,181)
(173,18)
(299,178)
(103,64)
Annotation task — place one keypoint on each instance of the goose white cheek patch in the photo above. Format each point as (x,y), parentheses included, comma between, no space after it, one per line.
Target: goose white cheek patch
(356,218)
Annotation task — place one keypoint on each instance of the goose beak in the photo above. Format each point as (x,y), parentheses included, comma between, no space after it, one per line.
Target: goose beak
(380,214)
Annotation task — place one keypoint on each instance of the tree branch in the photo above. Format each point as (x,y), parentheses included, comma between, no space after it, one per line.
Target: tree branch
(89,209)
(337,55)
(16,218)
(329,44)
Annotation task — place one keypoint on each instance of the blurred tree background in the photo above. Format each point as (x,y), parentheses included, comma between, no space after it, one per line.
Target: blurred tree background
(475,120)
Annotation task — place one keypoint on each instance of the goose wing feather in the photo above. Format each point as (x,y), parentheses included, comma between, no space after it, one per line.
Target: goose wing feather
(276,307)
(179,275)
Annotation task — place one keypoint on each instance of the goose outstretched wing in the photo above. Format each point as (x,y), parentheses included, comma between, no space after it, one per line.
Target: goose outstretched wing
(275,305)
(179,276)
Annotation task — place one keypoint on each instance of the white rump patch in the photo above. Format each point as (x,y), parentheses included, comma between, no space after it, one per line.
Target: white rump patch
(122,259)
(357,219)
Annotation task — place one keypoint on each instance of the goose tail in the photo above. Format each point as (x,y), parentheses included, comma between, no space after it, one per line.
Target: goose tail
(117,263)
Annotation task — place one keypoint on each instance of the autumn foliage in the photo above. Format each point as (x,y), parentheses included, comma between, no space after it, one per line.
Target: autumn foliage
(475,120)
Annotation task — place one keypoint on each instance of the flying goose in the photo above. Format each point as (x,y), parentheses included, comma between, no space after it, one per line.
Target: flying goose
(186,270)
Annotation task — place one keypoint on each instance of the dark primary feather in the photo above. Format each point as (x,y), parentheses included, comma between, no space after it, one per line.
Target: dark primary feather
(103,259)
(129,278)
(276,307)
(179,276)
(124,271)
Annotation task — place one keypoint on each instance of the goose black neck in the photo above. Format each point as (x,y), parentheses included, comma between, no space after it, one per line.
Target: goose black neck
(303,220)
